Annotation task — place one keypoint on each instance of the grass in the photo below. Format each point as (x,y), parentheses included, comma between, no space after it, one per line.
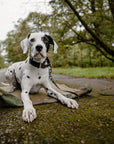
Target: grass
(98,72)
(92,123)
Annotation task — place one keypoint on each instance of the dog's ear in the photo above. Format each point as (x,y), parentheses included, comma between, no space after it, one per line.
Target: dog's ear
(25,44)
(51,41)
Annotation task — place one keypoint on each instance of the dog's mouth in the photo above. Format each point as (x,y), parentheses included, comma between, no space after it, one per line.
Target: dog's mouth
(38,55)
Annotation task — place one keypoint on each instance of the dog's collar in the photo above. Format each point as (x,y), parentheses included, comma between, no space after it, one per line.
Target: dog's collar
(45,64)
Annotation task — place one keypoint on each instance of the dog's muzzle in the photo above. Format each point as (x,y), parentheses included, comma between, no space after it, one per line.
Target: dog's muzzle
(39,48)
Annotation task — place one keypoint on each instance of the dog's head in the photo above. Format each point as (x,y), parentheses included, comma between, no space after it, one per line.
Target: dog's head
(38,44)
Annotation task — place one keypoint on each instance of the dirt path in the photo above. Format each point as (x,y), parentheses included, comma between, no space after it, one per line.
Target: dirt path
(98,85)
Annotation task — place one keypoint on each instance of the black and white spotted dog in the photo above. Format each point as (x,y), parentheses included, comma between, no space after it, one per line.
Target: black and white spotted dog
(33,73)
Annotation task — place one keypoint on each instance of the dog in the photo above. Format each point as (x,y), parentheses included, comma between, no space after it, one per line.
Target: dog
(33,73)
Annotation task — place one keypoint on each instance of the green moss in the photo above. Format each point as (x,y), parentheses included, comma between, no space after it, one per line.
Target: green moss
(57,124)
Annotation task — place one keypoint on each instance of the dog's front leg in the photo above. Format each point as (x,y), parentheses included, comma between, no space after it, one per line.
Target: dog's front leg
(29,113)
(64,100)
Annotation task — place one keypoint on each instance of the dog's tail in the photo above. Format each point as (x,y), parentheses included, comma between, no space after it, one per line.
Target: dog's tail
(4,84)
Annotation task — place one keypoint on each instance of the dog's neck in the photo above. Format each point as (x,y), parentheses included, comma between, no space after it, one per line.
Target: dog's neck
(46,63)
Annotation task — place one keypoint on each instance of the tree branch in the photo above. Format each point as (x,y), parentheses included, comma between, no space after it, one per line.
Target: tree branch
(97,47)
(111,4)
(81,39)
(96,38)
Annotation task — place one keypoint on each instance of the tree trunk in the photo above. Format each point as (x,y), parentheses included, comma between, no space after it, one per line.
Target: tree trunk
(111,4)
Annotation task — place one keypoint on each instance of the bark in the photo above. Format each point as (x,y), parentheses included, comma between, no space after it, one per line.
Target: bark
(111,4)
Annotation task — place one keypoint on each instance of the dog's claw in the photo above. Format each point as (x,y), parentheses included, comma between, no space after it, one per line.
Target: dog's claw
(29,114)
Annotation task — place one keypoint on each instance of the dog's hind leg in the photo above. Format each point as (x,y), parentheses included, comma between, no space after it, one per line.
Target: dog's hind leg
(11,78)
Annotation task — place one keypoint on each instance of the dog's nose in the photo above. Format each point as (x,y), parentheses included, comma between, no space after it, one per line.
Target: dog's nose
(39,48)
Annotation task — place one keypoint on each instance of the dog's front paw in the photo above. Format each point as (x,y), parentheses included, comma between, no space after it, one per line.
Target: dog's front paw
(70,103)
(29,114)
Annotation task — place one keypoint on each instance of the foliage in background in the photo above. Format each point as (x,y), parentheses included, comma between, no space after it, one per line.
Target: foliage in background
(100,10)
(76,45)
(87,21)
(1,62)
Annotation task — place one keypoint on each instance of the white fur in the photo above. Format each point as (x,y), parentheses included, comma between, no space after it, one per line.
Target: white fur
(28,77)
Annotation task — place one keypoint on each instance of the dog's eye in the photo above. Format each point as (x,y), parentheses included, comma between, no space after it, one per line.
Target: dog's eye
(32,40)
(44,39)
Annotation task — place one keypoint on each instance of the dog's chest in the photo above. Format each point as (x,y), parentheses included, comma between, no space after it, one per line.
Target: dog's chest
(39,75)
(30,73)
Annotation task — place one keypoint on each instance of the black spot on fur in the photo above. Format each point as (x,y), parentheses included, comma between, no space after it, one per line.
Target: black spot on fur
(19,68)
(26,92)
(26,61)
(11,71)
(50,41)
(39,77)
(46,89)
(28,36)
(28,76)
(47,41)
